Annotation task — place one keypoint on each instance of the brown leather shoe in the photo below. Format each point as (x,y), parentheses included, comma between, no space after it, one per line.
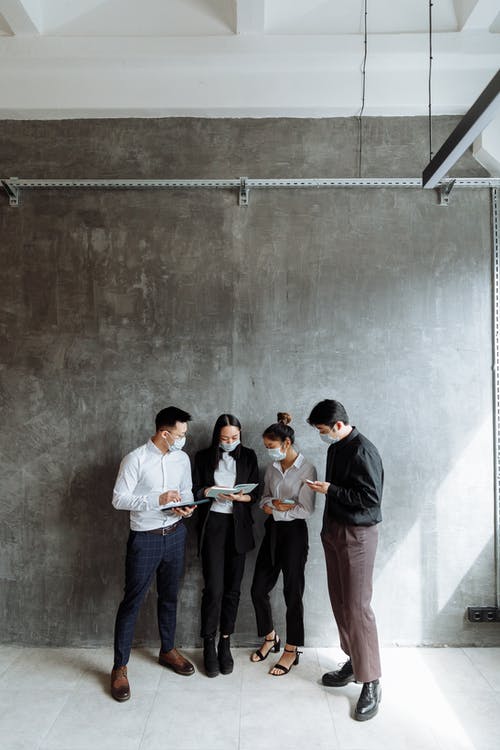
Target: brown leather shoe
(120,689)
(176,661)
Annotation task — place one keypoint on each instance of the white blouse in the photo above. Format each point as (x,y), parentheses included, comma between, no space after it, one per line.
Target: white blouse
(224,476)
(290,484)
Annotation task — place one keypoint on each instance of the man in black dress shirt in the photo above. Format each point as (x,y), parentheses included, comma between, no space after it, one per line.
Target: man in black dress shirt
(353,489)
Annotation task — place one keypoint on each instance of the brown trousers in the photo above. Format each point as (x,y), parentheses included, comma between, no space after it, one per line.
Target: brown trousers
(350,556)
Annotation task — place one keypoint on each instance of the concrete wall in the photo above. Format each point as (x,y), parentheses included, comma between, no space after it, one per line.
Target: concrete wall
(115,304)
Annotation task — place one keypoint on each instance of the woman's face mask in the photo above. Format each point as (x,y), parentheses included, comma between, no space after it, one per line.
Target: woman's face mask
(230,446)
(276,454)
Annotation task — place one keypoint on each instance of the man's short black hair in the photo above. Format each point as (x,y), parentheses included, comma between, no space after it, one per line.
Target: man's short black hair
(328,412)
(169,416)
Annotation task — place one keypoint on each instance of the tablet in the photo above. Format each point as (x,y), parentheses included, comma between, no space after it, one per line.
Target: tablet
(185,502)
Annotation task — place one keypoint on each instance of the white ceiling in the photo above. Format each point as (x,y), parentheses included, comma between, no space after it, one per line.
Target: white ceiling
(81,58)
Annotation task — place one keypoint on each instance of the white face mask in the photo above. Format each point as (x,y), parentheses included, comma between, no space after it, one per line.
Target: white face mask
(276,454)
(229,446)
(177,445)
(329,439)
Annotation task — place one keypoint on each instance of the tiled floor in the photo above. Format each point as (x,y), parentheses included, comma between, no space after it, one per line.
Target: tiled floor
(433,699)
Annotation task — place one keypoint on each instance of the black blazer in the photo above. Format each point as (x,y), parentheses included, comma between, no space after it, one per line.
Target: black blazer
(247,471)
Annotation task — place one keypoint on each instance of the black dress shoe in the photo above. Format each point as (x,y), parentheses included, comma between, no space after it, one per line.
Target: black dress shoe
(367,707)
(226,662)
(341,677)
(210,659)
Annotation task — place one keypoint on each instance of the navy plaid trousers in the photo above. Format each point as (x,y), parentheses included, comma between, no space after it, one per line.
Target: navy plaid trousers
(148,554)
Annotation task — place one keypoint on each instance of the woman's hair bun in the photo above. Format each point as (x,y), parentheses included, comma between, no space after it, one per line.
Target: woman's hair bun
(284,417)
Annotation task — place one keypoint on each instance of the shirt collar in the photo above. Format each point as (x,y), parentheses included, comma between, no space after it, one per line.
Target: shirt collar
(296,464)
(345,441)
(153,448)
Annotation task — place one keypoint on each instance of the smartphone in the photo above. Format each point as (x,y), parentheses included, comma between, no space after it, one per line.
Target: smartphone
(310,481)
(287,501)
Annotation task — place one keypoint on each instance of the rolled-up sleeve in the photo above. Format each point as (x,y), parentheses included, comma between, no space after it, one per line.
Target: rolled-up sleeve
(267,496)
(306,499)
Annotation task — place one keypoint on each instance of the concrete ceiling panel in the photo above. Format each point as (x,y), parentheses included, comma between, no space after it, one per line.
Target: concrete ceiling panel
(476,14)
(239,57)
(22,17)
(340,17)
(5,29)
(91,18)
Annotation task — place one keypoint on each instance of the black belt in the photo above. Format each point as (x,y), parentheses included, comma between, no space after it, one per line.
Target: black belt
(164,529)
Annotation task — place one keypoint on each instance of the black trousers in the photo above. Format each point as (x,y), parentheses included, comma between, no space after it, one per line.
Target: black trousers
(284,548)
(223,568)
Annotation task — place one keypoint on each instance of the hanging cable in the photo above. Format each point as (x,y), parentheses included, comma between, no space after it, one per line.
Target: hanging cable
(430,79)
(363,89)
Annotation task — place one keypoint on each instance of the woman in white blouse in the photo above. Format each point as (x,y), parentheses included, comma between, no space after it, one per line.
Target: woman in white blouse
(288,502)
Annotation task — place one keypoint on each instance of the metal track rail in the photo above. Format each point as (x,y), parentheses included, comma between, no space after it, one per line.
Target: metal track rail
(495,221)
(13,185)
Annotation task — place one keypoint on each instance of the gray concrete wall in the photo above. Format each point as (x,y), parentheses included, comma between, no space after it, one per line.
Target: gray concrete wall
(115,304)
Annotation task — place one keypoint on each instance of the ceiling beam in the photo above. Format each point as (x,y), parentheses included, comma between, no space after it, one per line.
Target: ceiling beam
(239,75)
(475,14)
(468,129)
(24,17)
(250,16)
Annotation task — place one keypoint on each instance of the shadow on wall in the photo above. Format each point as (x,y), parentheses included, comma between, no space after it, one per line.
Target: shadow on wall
(452,538)
(484,634)
(98,533)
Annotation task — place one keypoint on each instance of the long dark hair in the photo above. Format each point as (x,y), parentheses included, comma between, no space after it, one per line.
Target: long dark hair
(280,430)
(223,420)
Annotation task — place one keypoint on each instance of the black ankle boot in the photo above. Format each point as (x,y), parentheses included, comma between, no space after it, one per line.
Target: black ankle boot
(226,662)
(210,657)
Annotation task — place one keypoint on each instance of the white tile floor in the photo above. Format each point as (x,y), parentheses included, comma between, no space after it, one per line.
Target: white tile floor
(433,699)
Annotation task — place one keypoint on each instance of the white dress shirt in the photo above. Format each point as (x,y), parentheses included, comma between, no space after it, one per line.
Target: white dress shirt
(224,476)
(146,473)
(290,485)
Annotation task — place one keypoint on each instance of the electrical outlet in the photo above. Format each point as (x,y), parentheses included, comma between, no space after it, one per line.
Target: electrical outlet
(490,614)
(483,614)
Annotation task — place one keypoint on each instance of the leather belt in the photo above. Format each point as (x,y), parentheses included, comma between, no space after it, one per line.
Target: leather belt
(165,529)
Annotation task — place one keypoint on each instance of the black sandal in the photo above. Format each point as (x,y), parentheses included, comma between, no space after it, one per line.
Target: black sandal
(275,648)
(282,668)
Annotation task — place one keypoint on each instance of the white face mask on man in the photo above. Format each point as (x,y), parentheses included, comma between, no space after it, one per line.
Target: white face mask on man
(177,445)
(329,439)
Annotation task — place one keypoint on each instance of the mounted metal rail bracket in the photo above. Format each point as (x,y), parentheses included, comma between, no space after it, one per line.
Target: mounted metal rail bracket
(243,198)
(12,191)
(444,192)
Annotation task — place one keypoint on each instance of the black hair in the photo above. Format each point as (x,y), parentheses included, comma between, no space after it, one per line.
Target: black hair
(280,430)
(223,420)
(169,416)
(328,412)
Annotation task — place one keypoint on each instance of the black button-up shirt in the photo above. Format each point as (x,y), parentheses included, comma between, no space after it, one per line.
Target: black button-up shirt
(356,475)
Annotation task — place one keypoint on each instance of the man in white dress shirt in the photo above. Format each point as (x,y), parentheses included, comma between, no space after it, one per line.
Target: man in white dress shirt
(149,480)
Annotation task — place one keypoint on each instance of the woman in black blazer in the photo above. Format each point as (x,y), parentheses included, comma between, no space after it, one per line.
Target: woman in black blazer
(224,534)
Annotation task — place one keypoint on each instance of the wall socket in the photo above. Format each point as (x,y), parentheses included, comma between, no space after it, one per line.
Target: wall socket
(483,614)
